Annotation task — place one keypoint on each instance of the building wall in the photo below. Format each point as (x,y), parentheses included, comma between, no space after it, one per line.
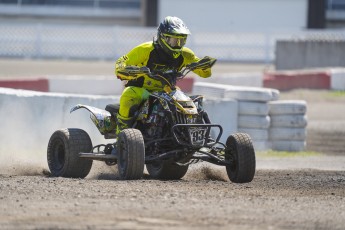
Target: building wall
(237,14)
(65,14)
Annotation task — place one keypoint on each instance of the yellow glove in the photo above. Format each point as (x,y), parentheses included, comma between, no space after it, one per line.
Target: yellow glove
(205,63)
(132,72)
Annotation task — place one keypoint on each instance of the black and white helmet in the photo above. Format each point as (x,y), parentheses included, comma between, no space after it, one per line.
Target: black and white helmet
(172,35)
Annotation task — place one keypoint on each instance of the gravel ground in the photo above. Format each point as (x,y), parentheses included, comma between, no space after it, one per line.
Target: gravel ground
(287,192)
(204,199)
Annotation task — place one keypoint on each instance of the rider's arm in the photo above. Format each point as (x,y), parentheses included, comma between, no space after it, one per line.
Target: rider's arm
(190,57)
(138,56)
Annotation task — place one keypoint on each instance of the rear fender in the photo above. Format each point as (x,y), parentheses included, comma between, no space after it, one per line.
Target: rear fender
(100,117)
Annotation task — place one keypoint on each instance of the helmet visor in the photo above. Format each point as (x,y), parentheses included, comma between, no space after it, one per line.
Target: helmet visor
(175,42)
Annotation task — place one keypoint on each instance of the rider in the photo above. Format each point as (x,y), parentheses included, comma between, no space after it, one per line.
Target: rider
(166,52)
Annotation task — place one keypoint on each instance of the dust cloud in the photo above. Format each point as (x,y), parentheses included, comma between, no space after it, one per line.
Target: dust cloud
(23,146)
(28,119)
(206,171)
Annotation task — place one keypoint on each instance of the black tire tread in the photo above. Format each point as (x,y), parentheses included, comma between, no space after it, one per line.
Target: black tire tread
(245,163)
(75,141)
(134,142)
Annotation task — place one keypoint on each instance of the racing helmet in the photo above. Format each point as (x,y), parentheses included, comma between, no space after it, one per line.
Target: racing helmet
(172,35)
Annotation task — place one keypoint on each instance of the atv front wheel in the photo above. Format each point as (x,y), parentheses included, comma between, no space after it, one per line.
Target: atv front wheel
(240,151)
(166,170)
(131,154)
(63,153)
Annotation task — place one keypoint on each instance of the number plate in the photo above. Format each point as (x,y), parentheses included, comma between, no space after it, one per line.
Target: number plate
(197,136)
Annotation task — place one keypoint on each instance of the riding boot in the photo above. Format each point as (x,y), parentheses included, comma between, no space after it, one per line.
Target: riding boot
(123,123)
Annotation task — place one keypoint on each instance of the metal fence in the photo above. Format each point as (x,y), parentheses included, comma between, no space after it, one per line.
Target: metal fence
(40,41)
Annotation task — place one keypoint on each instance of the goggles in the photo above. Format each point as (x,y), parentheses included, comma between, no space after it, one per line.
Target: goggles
(175,41)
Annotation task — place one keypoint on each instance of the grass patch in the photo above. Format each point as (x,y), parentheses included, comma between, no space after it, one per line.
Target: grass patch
(337,93)
(287,154)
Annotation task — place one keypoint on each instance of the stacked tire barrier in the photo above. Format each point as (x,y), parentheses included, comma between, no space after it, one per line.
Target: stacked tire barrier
(253,110)
(253,119)
(272,124)
(287,131)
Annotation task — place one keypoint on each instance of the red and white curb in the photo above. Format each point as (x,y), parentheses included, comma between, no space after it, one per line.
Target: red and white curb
(328,79)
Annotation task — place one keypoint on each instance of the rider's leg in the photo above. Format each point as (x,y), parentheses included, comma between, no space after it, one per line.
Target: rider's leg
(130,99)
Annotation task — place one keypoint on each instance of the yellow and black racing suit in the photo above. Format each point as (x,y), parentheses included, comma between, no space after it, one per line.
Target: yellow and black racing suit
(148,54)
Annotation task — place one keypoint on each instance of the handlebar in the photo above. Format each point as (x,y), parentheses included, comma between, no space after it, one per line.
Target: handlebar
(170,77)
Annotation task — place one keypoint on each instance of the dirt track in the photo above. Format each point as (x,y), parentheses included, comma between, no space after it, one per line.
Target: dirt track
(276,199)
(287,193)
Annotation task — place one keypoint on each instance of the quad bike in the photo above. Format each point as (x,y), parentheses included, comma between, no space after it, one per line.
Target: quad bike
(171,131)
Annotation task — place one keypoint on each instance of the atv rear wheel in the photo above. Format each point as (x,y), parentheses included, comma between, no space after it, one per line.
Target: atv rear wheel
(131,154)
(166,170)
(239,149)
(63,153)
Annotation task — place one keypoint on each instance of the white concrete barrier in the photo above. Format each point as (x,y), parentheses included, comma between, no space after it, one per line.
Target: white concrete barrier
(235,92)
(338,78)
(224,113)
(90,85)
(29,118)
(235,79)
